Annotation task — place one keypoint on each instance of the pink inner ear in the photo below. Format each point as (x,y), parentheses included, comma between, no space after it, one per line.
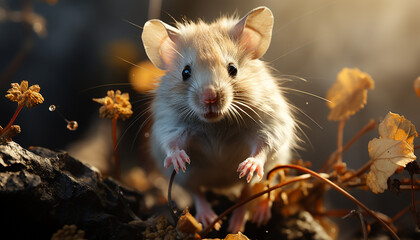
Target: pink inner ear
(250,41)
(167,52)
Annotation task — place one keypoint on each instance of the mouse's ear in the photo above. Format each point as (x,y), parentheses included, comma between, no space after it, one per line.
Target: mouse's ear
(253,32)
(158,40)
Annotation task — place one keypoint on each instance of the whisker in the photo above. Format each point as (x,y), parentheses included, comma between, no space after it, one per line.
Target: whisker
(104,85)
(139,130)
(135,65)
(307,93)
(127,21)
(138,117)
(295,49)
(306,115)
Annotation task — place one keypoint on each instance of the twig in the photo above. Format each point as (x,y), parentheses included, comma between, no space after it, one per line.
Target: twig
(404,211)
(340,133)
(342,191)
(362,221)
(114,144)
(20,106)
(413,204)
(225,213)
(368,127)
(359,172)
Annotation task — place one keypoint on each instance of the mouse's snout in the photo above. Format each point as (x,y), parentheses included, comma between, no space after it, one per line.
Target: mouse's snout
(209,96)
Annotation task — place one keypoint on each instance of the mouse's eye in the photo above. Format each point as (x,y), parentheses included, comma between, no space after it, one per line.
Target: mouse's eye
(186,73)
(232,70)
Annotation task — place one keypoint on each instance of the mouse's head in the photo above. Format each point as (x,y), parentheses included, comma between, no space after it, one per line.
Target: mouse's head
(208,65)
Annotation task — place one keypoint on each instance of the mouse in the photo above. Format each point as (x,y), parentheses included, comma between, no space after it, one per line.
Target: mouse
(220,118)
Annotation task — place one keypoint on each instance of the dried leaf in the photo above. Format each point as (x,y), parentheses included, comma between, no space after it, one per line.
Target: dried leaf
(387,155)
(238,236)
(348,94)
(397,127)
(187,224)
(115,105)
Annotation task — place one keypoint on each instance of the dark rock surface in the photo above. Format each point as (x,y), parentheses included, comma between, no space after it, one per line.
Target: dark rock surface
(42,190)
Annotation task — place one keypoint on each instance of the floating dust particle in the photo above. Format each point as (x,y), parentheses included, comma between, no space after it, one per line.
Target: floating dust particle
(306,103)
(52,108)
(72,125)
(146,134)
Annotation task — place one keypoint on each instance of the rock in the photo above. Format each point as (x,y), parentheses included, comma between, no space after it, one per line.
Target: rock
(42,190)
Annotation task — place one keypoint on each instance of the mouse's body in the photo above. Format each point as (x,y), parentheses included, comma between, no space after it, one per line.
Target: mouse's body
(218,107)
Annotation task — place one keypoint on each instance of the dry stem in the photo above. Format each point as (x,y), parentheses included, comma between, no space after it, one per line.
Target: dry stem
(114,143)
(20,106)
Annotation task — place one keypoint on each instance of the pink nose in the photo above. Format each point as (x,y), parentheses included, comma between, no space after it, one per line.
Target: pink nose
(209,96)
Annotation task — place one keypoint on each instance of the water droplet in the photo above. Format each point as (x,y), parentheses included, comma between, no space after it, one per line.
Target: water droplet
(52,108)
(72,125)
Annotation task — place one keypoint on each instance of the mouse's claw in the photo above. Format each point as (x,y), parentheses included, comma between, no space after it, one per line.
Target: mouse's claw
(249,166)
(178,159)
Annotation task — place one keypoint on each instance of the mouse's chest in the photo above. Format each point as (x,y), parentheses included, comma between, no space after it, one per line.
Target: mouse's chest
(220,149)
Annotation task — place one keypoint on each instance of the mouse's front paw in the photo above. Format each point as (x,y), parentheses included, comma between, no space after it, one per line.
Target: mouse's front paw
(249,166)
(178,159)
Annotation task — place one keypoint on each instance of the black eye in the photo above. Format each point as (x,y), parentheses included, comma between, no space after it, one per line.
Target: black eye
(186,73)
(232,70)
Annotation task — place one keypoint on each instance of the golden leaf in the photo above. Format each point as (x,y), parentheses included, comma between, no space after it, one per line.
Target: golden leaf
(238,236)
(145,76)
(397,127)
(387,155)
(348,94)
(115,105)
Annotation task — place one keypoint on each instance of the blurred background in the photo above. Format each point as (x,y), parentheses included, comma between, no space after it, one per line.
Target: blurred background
(73,50)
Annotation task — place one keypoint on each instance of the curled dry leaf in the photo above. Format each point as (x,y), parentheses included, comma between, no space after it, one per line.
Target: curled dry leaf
(392,150)
(30,97)
(397,127)
(348,94)
(387,155)
(115,105)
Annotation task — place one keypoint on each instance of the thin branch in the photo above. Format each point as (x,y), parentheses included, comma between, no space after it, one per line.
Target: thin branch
(362,222)
(340,134)
(404,211)
(225,213)
(413,203)
(20,106)
(368,127)
(114,144)
(342,191)
(359,172)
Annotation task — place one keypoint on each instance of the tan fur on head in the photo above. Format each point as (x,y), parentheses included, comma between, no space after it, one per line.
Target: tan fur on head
(252,33)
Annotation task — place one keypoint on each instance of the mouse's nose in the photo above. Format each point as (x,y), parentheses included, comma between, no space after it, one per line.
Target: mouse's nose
(209,96)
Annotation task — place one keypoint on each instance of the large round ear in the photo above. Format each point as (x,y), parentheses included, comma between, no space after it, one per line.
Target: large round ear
(158,40)
(253,32)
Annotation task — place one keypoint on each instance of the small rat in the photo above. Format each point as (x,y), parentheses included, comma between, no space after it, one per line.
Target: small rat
(218,108)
